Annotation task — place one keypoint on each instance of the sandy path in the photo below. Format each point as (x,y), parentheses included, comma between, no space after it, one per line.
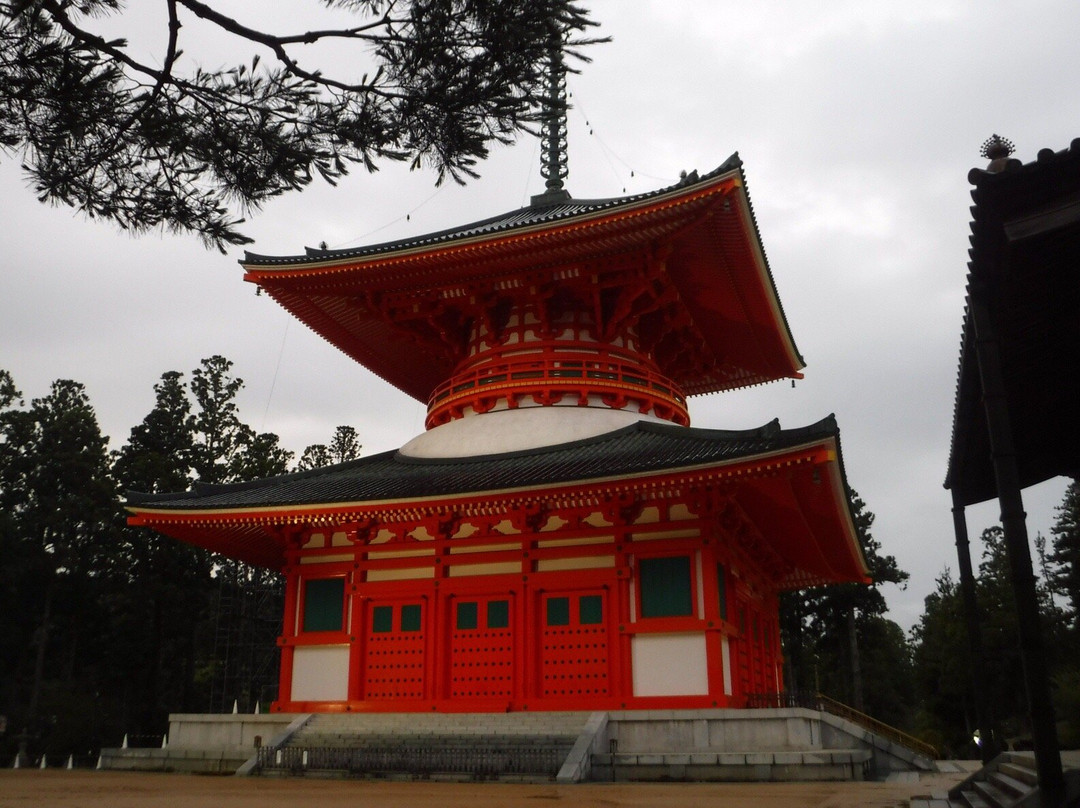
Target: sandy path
(30,788)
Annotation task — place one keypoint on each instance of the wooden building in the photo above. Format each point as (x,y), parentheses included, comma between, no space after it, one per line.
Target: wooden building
(559,537)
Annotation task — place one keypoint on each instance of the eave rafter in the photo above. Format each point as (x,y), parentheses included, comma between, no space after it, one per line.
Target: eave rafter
(699,238)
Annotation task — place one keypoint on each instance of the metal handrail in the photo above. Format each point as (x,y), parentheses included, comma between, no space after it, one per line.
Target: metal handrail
(419,757)
(822,703)
(878,727)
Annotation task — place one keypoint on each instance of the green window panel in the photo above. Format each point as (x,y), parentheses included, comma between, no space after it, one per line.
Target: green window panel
(410,617)
(382,619)
(466,615)
(590,610)
(324,604)
(558,611)
(498,614)
(665,587)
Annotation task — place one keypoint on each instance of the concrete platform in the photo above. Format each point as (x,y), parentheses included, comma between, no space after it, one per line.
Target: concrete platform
(787,744)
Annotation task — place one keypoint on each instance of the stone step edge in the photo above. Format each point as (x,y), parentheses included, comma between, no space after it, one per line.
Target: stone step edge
(706,758)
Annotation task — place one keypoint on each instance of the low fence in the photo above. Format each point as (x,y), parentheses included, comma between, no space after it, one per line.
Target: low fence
(418,760)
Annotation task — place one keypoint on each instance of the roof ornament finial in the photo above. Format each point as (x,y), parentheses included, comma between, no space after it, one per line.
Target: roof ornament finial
(997,149)
(553,165)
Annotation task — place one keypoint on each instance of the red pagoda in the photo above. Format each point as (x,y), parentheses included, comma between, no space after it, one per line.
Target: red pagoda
(560,537)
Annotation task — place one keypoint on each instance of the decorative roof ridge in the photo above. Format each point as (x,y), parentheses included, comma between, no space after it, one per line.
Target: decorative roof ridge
(549,210)
(1014,169)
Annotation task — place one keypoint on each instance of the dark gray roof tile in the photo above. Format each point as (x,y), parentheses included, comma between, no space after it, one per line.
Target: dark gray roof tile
(523,217)
(639,448)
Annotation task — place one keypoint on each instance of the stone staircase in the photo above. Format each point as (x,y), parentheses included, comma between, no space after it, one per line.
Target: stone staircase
(504,746)
(1009,781)
(1005,783)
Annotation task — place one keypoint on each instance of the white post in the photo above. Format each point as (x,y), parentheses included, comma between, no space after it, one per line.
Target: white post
(124,744)
(43,764)
(71,762)
(234,707)
(256,708)
(99,766)
(165,741)
(16,764)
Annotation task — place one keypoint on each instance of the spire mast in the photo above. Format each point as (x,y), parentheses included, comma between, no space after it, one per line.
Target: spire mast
(553,166)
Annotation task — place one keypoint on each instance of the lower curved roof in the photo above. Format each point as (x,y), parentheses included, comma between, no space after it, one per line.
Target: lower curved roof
(790,483)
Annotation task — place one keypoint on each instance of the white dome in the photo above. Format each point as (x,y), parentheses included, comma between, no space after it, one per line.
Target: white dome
(516,430)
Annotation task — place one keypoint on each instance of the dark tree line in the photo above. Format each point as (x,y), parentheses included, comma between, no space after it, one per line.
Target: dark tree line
(105,629)
(839,642)
(943,662)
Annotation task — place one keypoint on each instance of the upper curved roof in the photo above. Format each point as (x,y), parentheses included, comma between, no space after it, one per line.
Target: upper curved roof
(703,226)
(534,214)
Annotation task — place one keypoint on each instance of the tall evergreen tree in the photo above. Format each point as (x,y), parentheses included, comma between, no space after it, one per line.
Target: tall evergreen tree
(247,600)
(219,434)
(942,652)
(1064,556)
(159,453)
(315,456)
(345,445)
(260,455)
(1001,632)
(59,500)
(106,627)
(19,564)
(828,631)
(166,608)
(942,663)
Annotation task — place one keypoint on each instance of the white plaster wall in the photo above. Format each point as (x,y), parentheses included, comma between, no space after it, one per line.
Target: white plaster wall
(669,665)
(523,428)
(321,673)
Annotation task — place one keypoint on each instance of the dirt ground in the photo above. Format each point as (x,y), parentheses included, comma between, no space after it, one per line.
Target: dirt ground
(31,788)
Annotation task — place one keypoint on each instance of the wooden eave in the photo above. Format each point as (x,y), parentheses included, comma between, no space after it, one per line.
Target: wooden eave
(1025,268)
(715,261)
(795,499)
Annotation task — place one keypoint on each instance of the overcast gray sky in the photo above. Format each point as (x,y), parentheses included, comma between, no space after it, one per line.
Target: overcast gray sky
(857,121)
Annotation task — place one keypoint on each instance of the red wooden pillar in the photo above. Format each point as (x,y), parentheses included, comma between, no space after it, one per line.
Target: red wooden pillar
(287,639)
(620,646)
(357,633)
